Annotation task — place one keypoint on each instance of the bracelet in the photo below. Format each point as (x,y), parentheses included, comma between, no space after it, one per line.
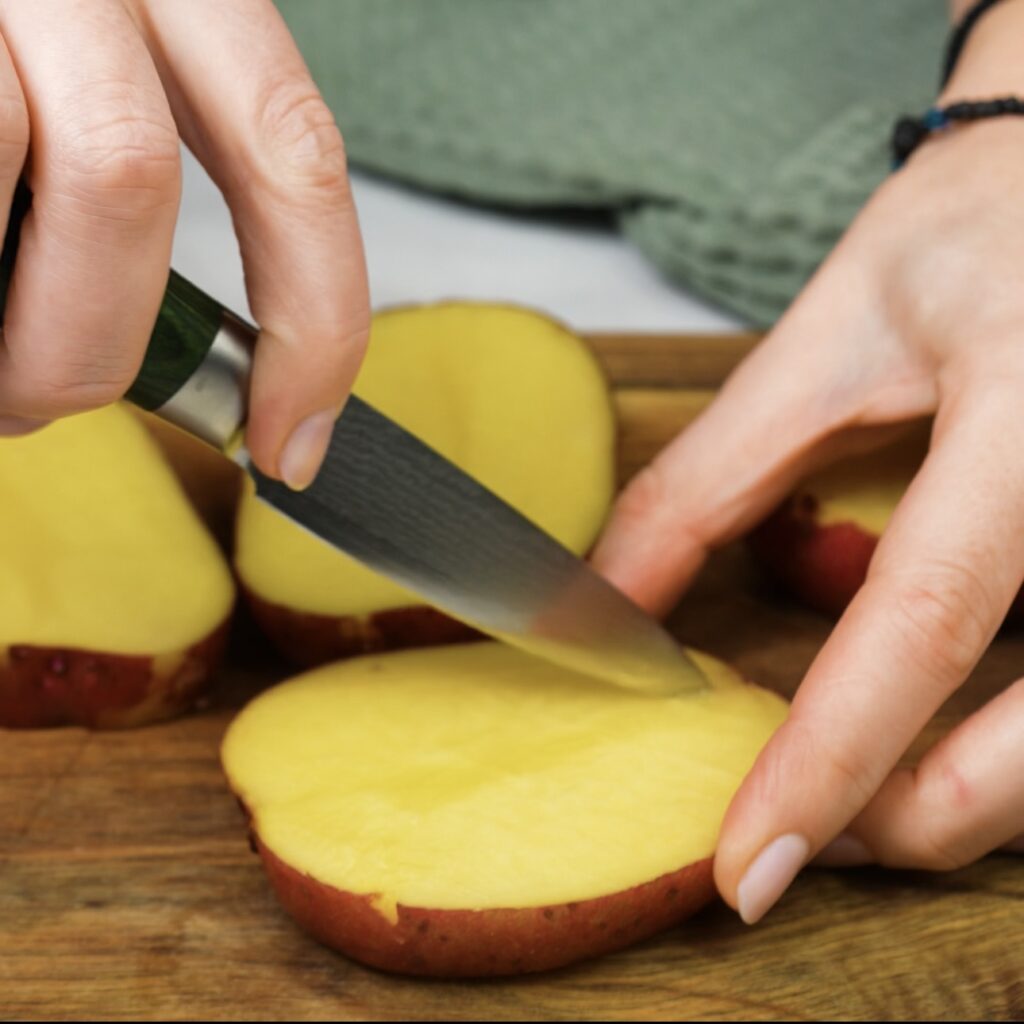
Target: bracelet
(960,34)
(909,132)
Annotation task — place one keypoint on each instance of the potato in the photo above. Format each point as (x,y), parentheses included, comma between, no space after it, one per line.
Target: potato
(508,395)
(115,599)
(472,810)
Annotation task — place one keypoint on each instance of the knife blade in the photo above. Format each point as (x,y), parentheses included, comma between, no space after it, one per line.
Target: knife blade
(392,502)
(389,500)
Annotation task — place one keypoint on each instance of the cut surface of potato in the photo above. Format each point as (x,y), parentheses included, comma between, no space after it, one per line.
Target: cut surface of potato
(508,395)
(477,778)
(866,489)
(115,596)
(819,543)
(211,481)
(101,551)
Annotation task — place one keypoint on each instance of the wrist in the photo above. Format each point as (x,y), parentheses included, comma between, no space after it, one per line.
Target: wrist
(992,61)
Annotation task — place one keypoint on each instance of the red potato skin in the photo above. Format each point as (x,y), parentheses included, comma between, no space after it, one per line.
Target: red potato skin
(822,566)
(486,943)
(308,640)
(42,687)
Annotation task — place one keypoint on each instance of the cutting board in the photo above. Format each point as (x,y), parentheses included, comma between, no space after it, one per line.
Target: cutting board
(127,888)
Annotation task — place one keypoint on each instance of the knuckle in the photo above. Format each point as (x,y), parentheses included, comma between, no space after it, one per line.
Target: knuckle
(68,386)
(935,838)
(301,140)
(355,338)
(937,847)
(62,396)
(846,769)
(643,496)
(335,337)
(121,149)
(949,611)
(856,775)
(800,751)
(847,772)
(950,790)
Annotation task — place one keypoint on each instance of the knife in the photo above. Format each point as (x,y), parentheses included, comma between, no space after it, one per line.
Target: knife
(387,499)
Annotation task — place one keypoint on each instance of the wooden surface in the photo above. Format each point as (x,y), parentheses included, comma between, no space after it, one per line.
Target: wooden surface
(127,888)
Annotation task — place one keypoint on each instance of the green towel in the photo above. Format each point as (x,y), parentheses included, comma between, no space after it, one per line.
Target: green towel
(731,140)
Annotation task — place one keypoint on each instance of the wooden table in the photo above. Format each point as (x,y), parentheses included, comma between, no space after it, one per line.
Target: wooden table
(127,888)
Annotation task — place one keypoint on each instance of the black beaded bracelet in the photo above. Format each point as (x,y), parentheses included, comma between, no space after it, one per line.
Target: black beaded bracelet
(909,132)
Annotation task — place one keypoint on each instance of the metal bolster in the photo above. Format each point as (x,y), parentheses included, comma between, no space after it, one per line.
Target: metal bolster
(213,402)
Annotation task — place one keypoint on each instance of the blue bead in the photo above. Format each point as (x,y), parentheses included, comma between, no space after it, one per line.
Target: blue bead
(935,119)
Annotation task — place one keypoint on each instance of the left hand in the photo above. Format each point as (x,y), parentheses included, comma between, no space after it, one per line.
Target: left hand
(919,310)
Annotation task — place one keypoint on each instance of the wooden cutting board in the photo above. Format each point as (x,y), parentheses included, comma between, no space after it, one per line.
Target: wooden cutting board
(127,889)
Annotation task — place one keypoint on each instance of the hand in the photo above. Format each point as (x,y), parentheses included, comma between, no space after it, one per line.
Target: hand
(101,89)
(919,310)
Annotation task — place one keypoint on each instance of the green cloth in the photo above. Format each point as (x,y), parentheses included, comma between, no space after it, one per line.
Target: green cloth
(731,140)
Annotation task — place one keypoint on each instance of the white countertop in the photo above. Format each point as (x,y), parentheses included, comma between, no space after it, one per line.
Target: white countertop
(421,247)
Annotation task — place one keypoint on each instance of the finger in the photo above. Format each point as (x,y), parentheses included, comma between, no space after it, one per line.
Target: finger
(939,585)
(14,138)
(963,800)
(248,108)
(94,252)
(777,417)
(14,130)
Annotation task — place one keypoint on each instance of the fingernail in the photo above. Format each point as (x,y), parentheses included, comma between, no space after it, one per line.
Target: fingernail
(16,426)
(845,851)
(770,875)
(305,450)
(1015,845)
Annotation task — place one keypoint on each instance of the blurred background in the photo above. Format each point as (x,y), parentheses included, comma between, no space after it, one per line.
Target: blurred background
(421,247)
(656,165)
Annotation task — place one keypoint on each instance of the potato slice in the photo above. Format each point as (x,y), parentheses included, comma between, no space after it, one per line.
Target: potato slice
(819,543)
(472,810)
(508,395)
(115,599)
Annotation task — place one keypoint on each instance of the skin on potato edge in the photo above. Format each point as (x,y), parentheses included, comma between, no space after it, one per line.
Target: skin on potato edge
(43,687)
(485,943)
(822,565)
(309,639)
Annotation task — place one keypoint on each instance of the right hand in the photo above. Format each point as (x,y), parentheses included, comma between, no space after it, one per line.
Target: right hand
(94,95)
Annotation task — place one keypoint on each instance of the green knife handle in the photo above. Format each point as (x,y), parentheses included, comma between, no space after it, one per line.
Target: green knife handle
(196,369)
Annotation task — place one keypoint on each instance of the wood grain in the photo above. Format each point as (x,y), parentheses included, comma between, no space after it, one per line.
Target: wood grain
(664,361)
(127,889)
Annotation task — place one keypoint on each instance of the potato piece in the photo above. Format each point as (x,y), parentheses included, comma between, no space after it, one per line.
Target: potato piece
(115,600)
(472,810)
(508,395)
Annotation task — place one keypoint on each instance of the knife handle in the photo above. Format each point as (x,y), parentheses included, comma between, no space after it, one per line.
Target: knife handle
(196,370)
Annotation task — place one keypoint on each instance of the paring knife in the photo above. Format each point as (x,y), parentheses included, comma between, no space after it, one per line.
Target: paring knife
(390,501)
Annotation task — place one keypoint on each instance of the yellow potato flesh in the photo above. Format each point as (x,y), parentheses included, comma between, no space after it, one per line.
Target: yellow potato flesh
(100,549)
(477,777)
(506,394)
(867,488)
